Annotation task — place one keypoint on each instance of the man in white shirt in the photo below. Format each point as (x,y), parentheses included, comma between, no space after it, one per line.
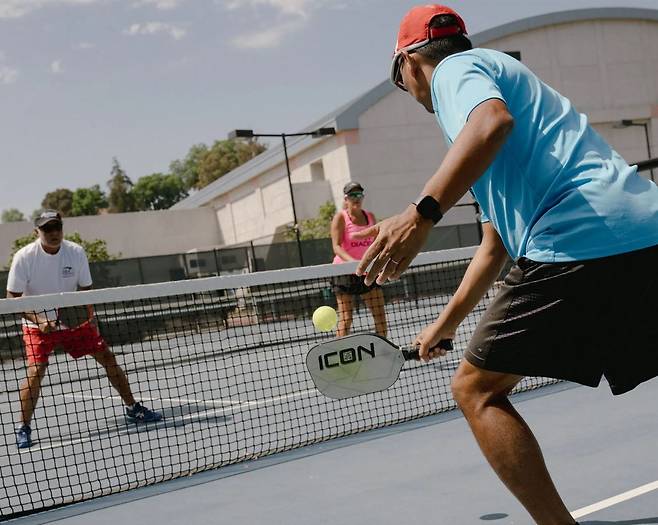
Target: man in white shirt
(53,265)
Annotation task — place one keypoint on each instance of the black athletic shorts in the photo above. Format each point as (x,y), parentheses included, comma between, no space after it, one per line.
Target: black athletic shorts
(576,321)
(351,284)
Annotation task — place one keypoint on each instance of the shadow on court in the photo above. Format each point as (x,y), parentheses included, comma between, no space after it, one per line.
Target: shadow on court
(641,521)
(172,417)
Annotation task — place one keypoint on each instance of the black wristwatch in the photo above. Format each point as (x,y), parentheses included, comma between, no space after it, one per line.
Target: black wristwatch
(428,208)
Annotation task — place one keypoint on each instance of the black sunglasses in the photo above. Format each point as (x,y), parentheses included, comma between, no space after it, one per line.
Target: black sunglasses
(49,227)
(355,195)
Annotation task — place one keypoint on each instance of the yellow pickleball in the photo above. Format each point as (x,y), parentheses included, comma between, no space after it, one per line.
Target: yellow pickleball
(325,318)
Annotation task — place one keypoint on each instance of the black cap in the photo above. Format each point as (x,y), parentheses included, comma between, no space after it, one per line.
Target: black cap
(47,216)
(352,186)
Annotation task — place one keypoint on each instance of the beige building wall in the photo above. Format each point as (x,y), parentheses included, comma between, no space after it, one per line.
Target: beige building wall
(133,234)
(607,68)
(399,148)
(261,207)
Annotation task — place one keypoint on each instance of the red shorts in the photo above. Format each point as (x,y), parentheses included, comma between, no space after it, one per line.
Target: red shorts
(80,341)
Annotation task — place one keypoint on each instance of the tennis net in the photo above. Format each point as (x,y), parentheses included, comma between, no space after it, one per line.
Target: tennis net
(222,360)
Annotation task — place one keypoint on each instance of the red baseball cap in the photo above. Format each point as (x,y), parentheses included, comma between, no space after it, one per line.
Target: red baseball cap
(415,32)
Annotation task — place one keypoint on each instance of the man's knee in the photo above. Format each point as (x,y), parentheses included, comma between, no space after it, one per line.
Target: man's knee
(36,371)
(474,388)
(106,358)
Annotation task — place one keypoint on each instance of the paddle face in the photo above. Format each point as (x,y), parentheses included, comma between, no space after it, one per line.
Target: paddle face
(354,365)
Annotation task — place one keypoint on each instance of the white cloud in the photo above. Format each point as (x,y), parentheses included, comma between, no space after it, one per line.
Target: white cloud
(290,7)
(290,16)
(56,67)
(85,45)
(267,38)
(19,8)
(159,4)
(8,75)
(153,28)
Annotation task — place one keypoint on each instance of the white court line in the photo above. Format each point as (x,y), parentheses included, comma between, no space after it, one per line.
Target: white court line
(245,404)
(278,398)
(206,402)
(167,399)
(590,509)
(57,444)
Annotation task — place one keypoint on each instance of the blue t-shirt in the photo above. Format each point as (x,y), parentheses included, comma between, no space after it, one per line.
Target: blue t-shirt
(556,191)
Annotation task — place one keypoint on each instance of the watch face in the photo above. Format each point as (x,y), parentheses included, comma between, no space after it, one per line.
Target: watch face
(429,209)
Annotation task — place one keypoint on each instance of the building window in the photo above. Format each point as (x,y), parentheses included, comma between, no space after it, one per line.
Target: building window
(514,54)
(317,171)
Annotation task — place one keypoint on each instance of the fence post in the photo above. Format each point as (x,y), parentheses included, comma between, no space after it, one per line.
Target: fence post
(253,255)
(217,264)
(141,270)
(477,220)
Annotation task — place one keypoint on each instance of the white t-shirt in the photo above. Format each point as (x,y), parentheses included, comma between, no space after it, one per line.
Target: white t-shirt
(35,272)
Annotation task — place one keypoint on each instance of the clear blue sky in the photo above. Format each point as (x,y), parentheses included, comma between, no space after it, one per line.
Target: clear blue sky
(82,81)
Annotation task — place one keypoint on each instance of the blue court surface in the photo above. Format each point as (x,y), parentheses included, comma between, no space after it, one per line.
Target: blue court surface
(599,449)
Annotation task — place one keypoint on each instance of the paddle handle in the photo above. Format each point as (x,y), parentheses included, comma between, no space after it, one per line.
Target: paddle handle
(411,353)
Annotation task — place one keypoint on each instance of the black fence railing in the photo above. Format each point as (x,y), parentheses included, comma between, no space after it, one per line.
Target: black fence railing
(240,259)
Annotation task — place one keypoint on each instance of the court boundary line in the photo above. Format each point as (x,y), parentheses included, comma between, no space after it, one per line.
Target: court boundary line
(614,500)
(165,487)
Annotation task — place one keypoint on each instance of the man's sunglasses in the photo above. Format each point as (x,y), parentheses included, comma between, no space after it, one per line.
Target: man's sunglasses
(51,227)
(355,195)
(396,71)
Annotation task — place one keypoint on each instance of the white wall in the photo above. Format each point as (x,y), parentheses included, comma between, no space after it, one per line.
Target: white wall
(398,148)
(134,234)
(309,196)
(261,207)
(609,70)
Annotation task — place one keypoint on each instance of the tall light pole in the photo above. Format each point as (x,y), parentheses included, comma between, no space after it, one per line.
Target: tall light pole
(626,123)
(318,133)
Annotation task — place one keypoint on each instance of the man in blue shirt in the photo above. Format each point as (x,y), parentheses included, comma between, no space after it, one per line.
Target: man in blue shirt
(580,224)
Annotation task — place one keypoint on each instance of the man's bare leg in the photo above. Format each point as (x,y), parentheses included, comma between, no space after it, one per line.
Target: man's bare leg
(116,375)
(345,307)
(30,389)
(507,442)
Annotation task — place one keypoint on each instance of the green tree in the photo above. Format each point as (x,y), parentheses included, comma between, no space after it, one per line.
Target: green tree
(225,156)
(95,249)
(119,198)
(88,201)
(158,191)
(12,215)
(188,168)
(318,227)
(61,200)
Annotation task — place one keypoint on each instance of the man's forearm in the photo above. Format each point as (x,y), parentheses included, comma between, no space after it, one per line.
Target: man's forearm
(480,275)
(471,154)
(32,317)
